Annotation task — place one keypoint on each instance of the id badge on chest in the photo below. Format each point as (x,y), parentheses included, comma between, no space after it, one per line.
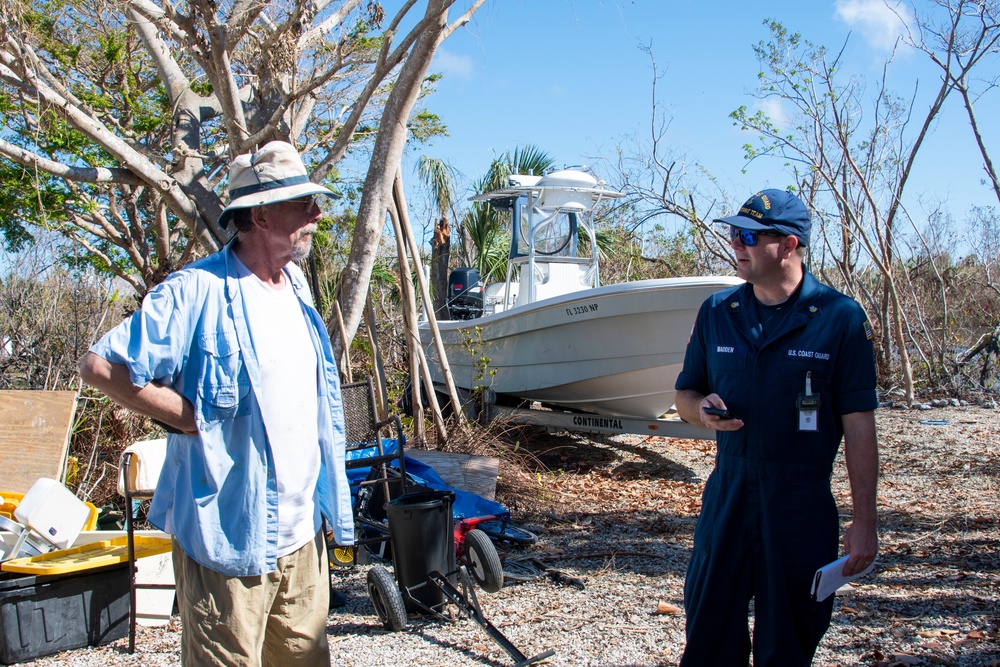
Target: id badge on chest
(808,405)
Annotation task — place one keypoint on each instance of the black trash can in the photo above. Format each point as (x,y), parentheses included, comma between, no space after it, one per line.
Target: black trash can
(423,540)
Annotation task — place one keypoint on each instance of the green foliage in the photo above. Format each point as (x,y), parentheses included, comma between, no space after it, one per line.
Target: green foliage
(331,249)
(331,245)
(472,341)
(425,125)
(439,178)
(28,200)
(487,228)
(103,66)
(527,159)
(96,56)
(202,87)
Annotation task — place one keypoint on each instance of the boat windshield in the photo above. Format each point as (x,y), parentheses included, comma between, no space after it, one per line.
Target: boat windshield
(554,232)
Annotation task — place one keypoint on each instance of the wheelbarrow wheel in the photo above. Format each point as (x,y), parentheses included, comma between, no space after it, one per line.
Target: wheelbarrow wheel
(386,599)
(483,561)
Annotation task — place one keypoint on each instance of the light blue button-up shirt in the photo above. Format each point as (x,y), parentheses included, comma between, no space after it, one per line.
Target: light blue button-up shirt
(217,492)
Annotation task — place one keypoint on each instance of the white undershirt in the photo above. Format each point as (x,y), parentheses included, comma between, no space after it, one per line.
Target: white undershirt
(288,403)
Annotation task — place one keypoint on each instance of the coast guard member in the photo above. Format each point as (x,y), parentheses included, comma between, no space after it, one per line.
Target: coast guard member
(792,361)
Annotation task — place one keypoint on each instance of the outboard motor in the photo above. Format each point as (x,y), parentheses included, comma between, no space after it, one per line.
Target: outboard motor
(465,294)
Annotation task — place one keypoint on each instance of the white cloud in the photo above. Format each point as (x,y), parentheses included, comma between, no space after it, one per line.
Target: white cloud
(775,110)
(878,22)
(452,65)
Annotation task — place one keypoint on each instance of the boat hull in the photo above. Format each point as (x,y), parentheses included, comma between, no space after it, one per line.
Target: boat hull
(613,350)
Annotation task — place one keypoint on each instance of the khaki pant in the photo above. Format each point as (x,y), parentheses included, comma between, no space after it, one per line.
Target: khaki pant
(273,620)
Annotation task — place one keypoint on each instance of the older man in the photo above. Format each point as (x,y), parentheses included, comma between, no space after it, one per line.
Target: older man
(789,364)
(230,354)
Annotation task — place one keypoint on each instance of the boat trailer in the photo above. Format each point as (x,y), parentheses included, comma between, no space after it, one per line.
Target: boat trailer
(586,422)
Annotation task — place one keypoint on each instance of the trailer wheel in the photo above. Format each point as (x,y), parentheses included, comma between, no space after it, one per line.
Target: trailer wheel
(483,561)
(386,599)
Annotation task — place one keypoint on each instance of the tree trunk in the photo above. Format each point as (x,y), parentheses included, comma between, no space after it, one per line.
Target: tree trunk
(440,255)
(404,225)
(904,355)
(377,364)
(386,157)
(410,330)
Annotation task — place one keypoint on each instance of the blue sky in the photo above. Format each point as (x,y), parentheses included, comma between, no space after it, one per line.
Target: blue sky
(569,76)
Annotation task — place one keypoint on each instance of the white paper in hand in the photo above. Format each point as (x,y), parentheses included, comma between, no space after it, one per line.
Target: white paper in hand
(831,577)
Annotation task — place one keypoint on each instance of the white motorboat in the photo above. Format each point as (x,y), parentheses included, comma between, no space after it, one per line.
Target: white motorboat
(551,332)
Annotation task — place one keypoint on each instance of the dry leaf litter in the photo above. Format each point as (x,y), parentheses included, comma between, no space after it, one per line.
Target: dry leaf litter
(618,513)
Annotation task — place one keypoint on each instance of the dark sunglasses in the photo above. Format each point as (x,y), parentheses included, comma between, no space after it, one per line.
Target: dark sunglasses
(748,237)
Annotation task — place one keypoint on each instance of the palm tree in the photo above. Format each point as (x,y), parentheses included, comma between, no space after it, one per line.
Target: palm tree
(528,159)
(439,177)
(484,235)
(483,232)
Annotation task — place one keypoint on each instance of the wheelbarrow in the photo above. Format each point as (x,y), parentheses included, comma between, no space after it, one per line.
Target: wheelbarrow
(431,571)
(474,537)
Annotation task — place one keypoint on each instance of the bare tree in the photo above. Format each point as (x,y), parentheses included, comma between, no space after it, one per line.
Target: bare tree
(853,156)
(122,115)
(439,178)
(386,158)
(985,239)
(957,35)
(662,184)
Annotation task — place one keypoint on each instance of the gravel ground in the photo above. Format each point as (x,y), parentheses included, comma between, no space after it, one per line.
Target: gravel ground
(619,514)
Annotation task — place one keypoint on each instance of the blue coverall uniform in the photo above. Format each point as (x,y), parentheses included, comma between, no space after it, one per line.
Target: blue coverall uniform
(768,517)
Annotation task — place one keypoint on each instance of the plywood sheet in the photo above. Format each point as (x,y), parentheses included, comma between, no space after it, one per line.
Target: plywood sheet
(35,427)
(477,474)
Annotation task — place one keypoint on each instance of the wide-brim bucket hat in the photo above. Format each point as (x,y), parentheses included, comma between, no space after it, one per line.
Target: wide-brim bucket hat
(273,174)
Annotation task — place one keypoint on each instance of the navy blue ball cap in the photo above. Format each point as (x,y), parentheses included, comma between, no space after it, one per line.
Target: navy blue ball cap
(773,210)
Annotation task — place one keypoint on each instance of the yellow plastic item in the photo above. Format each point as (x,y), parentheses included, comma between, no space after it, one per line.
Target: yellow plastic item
(72,470)
(10,503)
(89,556)
(11,500)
